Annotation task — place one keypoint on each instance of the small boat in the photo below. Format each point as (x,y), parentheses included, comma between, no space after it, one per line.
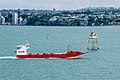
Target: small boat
(21,52)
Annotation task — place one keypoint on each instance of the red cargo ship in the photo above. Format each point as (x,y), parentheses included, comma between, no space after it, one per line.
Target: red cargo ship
(21,52)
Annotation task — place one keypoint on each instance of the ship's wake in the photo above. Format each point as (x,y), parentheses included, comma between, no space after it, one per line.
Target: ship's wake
(14,57)
(8,57)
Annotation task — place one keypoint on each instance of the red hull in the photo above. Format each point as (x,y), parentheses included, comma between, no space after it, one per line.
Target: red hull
(52,55)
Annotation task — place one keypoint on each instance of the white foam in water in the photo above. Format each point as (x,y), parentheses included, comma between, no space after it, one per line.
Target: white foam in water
(8,57)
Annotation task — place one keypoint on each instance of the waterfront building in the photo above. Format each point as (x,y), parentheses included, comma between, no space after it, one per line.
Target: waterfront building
(24,22)
(2,20)
(54,18)
(0,14)
(83,21)
(20,21)
(14,18)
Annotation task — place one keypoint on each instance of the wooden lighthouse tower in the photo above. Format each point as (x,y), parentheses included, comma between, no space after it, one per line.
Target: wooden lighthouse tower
(92,41)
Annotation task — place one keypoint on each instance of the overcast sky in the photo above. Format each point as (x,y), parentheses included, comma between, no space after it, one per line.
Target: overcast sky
(57,4)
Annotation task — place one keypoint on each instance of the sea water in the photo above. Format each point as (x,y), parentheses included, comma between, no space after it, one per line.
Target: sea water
(102,64)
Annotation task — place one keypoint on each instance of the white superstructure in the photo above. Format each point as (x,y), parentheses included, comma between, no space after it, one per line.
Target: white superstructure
(22,49)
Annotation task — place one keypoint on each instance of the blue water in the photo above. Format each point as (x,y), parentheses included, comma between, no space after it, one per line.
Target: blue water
(103,64)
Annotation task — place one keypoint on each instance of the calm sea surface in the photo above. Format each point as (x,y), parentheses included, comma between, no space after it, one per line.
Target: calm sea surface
(103,64)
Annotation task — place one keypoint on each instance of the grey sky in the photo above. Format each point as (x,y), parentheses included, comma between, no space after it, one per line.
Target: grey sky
(57,4)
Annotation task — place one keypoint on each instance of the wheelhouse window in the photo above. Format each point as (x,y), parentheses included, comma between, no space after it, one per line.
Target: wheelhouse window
(21,51)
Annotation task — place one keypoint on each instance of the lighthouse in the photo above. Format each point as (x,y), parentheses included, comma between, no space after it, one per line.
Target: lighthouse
(92,41)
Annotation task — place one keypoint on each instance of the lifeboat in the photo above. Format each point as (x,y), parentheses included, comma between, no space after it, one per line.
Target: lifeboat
(21,52)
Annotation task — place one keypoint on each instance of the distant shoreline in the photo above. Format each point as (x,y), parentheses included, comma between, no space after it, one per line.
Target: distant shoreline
(54,26)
